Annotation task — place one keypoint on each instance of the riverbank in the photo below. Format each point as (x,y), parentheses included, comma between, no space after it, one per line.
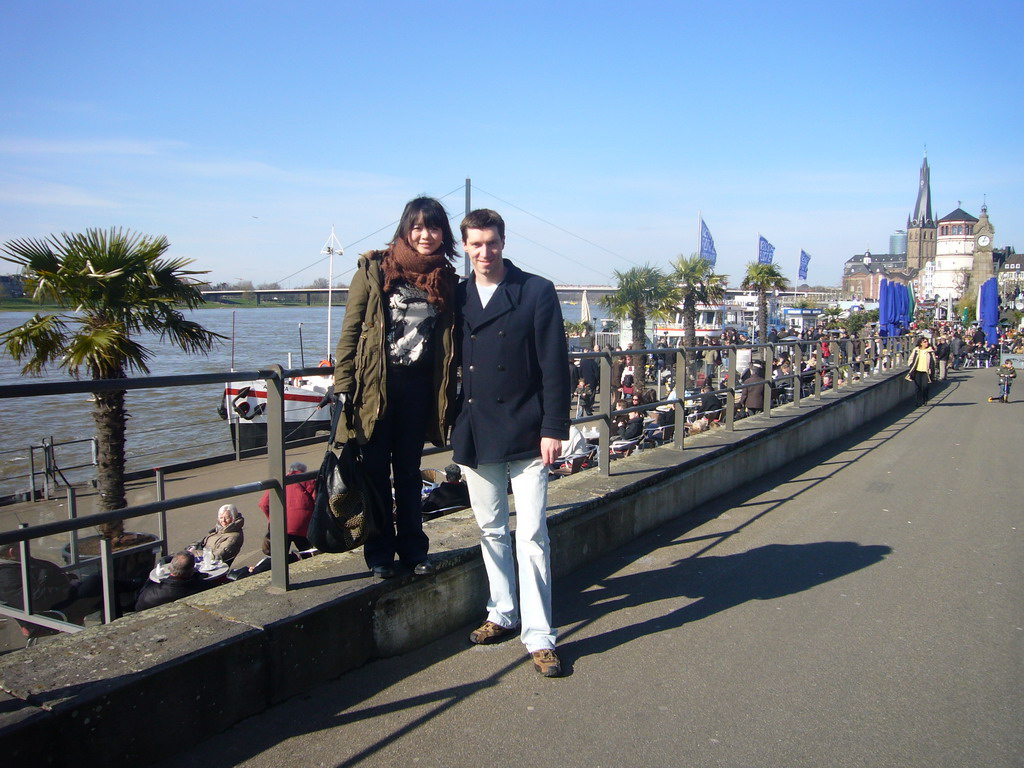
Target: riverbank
(30,305)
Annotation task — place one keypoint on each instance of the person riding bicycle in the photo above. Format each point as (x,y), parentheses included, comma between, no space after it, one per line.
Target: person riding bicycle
(1006,373)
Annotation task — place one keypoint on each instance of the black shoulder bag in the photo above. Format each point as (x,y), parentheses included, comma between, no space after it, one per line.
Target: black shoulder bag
(344,501)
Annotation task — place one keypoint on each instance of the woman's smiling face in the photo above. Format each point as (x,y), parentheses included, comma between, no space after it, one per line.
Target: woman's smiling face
(425,239)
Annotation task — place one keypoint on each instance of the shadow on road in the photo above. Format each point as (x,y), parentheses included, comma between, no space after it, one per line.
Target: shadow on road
(718,582)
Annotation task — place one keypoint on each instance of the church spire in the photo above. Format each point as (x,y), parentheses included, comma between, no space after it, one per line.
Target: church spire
(922,216)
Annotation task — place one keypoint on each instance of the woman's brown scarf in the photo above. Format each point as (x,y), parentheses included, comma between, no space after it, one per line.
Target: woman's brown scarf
(432,274)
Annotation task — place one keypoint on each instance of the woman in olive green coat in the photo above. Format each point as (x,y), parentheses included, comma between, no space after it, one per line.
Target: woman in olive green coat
(396,365)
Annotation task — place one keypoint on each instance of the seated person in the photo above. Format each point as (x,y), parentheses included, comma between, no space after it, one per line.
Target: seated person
(634,426)
(226,537)
(52,588)
(182,581)
(451,493)
(709,402)
(619,421)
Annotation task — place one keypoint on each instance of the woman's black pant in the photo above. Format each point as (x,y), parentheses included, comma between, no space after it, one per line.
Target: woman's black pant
(921,383)
(394,450)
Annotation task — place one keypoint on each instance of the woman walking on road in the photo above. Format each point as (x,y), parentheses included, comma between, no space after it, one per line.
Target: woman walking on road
(395,366)
(922,366)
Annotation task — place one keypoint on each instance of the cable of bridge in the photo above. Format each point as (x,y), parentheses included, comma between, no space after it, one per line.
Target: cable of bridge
(517,234)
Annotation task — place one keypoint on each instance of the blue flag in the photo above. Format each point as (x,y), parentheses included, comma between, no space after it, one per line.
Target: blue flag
(805,259)
(707,244)
(765,251)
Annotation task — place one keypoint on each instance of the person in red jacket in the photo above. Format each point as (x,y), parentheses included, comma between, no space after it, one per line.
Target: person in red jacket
(299,500)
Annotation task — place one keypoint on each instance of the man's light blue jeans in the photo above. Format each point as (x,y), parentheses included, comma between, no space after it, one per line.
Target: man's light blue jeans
(488,494)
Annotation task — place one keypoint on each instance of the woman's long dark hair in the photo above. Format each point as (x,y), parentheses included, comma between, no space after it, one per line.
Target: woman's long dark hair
(433,215)
(433,274)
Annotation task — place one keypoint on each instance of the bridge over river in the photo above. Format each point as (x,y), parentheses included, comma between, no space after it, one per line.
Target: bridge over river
(310,296)
(860,607)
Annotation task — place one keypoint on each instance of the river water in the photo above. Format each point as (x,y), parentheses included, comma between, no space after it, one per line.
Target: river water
(164,426)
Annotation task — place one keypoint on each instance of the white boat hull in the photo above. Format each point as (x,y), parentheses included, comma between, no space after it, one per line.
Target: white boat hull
(305,415)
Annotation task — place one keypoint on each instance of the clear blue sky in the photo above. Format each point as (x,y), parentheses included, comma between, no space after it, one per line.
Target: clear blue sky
(243,130)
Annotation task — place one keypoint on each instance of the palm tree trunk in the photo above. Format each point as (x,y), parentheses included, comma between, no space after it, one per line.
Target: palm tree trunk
(762,316)
(110,416)
(639,323)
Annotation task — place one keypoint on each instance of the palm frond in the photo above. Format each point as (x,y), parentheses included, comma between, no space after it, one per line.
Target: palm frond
(38,342)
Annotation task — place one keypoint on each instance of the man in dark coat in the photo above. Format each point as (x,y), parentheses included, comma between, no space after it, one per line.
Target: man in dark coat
(514,413)
(753,393)
(590,373)
(181,582)
(942,354)
(451,494)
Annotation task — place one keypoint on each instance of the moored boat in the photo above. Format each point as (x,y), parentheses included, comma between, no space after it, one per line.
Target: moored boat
(307,409)
(307,401)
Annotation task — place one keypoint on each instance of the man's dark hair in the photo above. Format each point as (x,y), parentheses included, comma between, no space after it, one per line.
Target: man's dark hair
(433,214)
(483,218)
(452,473)
(183,565)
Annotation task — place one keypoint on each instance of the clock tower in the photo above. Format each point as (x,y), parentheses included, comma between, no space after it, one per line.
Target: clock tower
(983,268)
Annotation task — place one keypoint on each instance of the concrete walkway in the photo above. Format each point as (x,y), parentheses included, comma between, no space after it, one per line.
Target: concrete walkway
(863,608)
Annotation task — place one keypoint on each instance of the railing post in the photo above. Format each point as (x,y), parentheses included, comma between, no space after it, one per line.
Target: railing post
(32,473)
(604,426)
(819,363)
(72,514)
(26,583)
(730,391)
(679,409)
(107,584)
(161,495)
(276,472)
(47,467)
(798,364)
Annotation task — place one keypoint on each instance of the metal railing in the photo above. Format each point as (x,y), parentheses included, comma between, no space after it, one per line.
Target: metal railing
(871,355)
(856,357)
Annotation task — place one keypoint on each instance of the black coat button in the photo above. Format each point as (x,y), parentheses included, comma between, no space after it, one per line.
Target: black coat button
(500,400)
(500,368)
(501,334)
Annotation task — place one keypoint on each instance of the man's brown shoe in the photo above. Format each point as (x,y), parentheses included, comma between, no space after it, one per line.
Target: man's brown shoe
(546,662)
(489,632)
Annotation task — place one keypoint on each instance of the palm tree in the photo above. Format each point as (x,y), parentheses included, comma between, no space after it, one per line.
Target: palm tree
(698,284)
(831,315)
(763,278)
(643,292)
(117,285)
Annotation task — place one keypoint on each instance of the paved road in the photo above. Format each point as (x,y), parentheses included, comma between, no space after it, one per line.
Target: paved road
(861,609)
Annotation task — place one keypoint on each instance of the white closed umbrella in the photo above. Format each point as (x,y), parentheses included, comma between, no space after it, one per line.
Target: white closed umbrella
(585,310)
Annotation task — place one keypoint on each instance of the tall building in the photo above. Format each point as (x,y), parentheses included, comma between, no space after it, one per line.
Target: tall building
(983,266)
(898,241)
(946,276)
(921,224)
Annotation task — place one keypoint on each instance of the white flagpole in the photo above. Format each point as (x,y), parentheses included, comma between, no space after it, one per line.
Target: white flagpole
(331,247)
(699,220)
